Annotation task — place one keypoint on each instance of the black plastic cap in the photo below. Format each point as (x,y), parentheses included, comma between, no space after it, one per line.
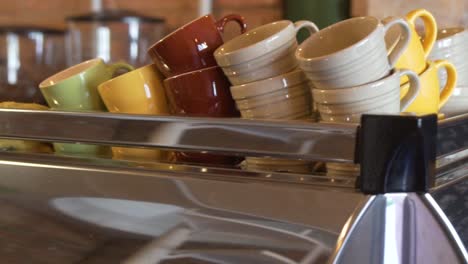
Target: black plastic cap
(397,153)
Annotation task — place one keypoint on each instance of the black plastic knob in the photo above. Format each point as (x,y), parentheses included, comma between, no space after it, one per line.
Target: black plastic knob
(397,153)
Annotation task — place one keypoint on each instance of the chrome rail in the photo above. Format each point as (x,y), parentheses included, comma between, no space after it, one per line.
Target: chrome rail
(297,140)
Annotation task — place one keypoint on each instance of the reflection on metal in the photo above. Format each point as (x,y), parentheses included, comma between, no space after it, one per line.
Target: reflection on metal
(163,213)
(295,139)
(450,231)
(400,228)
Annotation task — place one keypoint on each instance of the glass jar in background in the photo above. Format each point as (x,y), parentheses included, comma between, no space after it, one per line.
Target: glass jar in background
(113,35)
(28,55)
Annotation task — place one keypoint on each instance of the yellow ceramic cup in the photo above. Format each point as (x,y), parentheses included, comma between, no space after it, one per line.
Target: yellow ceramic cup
(414,58)
(140,91)
(430,98)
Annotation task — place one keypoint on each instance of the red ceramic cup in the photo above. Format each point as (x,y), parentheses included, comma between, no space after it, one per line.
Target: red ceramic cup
(201,93)
(191,46)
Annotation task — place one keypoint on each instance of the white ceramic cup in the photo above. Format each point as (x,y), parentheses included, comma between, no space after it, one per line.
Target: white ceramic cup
(368,91)
(351,52)
(268,86)
(457,103)
(262,52)
(387,103)
(451,45)
(288,93)
(280,109)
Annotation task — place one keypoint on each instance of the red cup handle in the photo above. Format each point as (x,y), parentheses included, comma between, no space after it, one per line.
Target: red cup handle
(232,17)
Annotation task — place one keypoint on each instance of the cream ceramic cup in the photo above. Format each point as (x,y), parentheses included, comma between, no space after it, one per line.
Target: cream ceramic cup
(360,106)
(351,52)
(387,103)
(390,108)
(291,106)
(268,86)
(457,103)
(299,90)
(262,52)
(367,91)
(451,45)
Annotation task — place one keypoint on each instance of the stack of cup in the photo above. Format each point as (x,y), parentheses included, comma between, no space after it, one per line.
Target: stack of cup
(416,58)
(285,96)
(194,84)
(267,84)
(451,46)
(352,73)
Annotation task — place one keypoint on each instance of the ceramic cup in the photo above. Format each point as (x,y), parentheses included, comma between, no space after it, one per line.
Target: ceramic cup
(281,96)
(338,108)
(451,46)
(75,89)
(350,53)
(201,93)
(368,91)
(262,52)
(191,46)
(431,98)
(140,91)
(458,102)
(419,48)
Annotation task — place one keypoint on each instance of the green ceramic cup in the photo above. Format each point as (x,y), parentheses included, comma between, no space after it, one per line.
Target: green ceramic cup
(75,89)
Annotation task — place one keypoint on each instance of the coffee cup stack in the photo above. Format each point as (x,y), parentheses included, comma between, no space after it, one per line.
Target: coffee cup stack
(451,46)
(436,89)
(194,84)
(266,81)
(351,73)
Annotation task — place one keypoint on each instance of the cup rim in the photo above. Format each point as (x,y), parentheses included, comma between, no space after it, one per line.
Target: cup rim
(125,75)
(450,40)
(190,73)
(341,51)
(234,57)
(48,82)
(456,31)
(272,84)
(170,35)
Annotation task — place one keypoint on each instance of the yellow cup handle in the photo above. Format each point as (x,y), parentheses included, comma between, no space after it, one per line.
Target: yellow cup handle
(413,89)
(451,80)
(113,68)
(430,28)
(403,42)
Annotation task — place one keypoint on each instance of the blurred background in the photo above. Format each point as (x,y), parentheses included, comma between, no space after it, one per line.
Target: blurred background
(39,38)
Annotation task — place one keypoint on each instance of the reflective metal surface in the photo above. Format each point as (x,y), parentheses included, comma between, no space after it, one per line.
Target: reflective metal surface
(452,135)
(301,140)
(59,209)
(399,228)
(86,210)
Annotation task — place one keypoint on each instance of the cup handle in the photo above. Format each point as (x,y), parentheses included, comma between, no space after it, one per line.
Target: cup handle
(413,90)
(308,25)
(403,42)
(220,24)
(120,66)
(430,28)
(447,91)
